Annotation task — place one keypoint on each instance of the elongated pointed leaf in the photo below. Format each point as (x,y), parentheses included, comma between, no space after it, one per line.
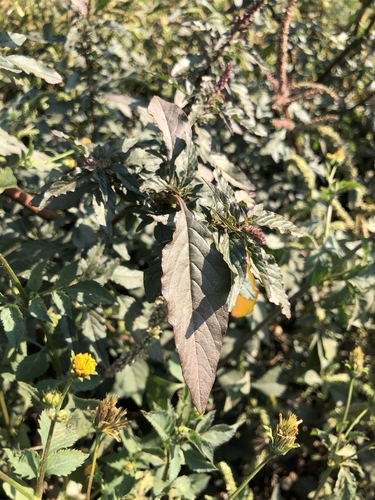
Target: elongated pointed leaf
(13,324)
(195,283)
(30,65)
(173,123)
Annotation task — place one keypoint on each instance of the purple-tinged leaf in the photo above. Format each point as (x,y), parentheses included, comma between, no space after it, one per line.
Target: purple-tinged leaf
(196,283)
(173,123)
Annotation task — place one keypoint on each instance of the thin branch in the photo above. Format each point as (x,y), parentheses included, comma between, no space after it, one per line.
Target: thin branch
(24,199)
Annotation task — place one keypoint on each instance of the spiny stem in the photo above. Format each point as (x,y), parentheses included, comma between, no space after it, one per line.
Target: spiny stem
(250,476)
(16,486)
(43,467)
(93,466)
(26,299)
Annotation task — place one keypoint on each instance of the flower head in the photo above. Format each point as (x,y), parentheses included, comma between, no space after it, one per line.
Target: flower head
(356,362)
(110,419)
(284,436)
(83,365)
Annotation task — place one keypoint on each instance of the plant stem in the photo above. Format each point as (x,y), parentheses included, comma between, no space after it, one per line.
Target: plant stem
(250,476)
(355,422)
(15,280)
(4,411)
(16,486)
(328,220)
(93,466)
(348,402)
(26,299)
(43,466)
(323,480)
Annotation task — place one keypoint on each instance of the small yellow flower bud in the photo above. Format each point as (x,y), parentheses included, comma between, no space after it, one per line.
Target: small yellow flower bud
(52,399)
(61,416)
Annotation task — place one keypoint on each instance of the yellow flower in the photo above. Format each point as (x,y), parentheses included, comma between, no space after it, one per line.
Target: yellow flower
(83,365)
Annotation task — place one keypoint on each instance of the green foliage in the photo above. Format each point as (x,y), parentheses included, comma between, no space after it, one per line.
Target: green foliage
(156,158)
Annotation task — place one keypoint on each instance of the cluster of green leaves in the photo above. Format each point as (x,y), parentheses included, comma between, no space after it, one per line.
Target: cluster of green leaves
(153,172)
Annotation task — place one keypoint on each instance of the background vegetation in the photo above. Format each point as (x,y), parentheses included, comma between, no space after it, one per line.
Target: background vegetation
(281,100)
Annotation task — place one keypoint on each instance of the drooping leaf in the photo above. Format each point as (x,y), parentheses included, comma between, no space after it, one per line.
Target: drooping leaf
(7,179)
(13,324)
(95,331)
(63,462)
(346,485)
(173,123)
(196,283)
(131,382)
(37,68)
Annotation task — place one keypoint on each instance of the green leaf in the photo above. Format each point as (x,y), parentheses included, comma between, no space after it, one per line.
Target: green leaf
(317,266)
(32,367)
(67,275)
(128,278)
(89,291)
(173,123)
(131,382)
(11,40)
(266,270)
(63,303)
(26,464)
(63,435)
(63,462)
(37,68)
(13,324)
(196,283)
(269,384)
(346,485)
(95,331)
(7,179)
(37,308)
(36,276)
(162,422)
(196,462)
(274,221)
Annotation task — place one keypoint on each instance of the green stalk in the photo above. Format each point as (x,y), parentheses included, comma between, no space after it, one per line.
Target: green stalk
(93,466)
(4,411)
(15,280)
(323,480)
(16,486)
(26,299)
(355,422)
(250,476)
(348,402)
(43,466)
